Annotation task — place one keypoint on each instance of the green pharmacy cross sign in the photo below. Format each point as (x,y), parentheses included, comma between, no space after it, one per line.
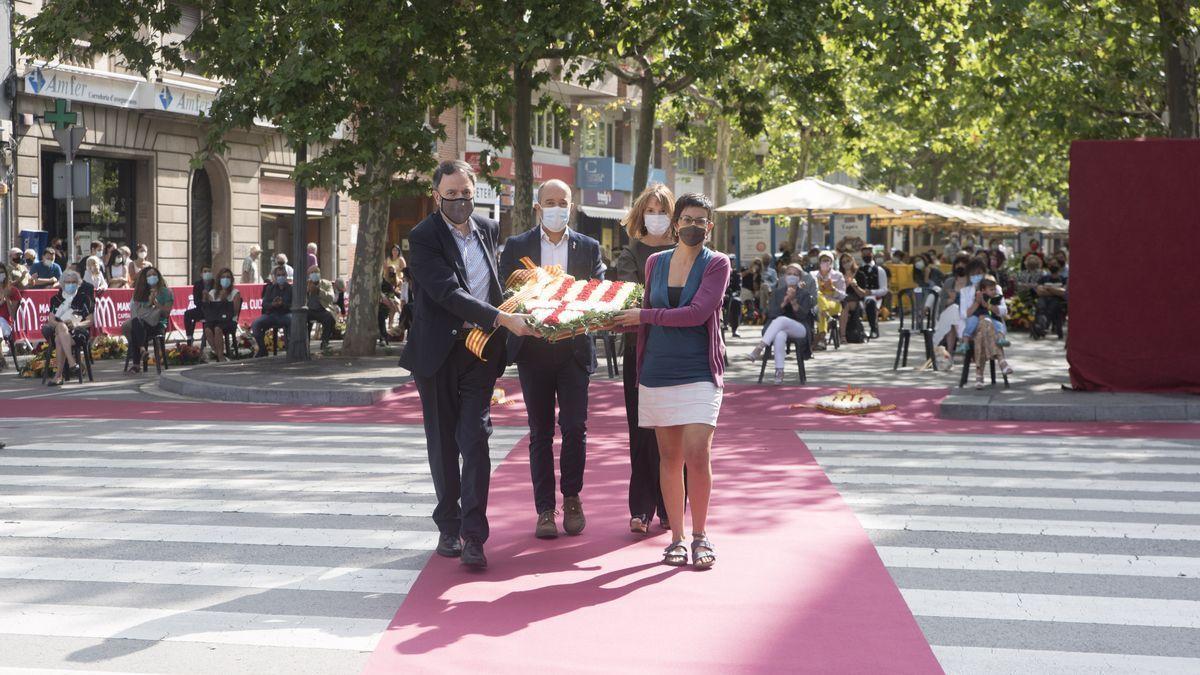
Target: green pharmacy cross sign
(60,117)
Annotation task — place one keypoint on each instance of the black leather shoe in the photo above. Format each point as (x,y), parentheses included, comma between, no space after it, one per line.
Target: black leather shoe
(472,554)
(449,545)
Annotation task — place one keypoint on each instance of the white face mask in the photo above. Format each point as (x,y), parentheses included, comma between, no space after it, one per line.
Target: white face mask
(141,255)
(657,223)
(554,218)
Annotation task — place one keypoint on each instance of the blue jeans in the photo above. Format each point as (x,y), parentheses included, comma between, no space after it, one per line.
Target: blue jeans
(973,323)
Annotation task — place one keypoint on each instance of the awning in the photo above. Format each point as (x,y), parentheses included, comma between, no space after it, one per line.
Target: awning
(287,211)
(603,212)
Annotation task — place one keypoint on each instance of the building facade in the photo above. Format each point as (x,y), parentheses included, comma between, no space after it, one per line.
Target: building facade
(141,137)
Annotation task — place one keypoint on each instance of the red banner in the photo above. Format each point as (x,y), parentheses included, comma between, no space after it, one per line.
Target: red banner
(112,309)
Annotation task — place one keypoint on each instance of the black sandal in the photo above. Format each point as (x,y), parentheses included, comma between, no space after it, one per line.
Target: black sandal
(704,555)
(675,554)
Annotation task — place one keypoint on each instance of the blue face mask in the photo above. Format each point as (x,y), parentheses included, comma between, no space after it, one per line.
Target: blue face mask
(70,289)
(314,277)
(226,282)
(152,280)
(281,280)
(975,279)
(207,276)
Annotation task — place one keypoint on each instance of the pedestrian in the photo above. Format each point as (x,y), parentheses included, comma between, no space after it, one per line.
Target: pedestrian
(452,257)
(555,372)
(648,225)
(681,362)
(250,266)
(312,256)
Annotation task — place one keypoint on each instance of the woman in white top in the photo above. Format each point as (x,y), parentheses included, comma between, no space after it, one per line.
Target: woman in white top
(117,267)
(93,273)
(140,262)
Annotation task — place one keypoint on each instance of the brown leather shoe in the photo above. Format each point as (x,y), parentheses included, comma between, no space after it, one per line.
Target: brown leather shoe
(546,527)
(573,520)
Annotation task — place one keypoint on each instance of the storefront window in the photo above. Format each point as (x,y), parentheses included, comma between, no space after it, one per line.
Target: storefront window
(107,214)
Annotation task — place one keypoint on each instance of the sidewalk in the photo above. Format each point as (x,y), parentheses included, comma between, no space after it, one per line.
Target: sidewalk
(322,381)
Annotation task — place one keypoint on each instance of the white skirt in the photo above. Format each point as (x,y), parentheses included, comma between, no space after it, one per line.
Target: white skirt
(694,403)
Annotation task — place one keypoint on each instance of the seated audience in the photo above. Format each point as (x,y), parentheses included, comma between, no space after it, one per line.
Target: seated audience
(789,316)
(149,313)
(831,290)
(872,278)
(320,304)
(222,305)
(1051,293)
(69,323)
(46,273)
(117,267)
(93,274)
(18,273)
(200,291)
(850,321)
(276,309)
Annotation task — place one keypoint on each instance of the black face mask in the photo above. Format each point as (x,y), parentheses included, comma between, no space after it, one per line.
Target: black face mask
(458,211)
(692,235)
(960,271)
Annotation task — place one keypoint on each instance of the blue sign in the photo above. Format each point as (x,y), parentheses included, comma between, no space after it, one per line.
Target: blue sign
(36,80)
(595,173)
(605,173)
(37,240)
(165,98)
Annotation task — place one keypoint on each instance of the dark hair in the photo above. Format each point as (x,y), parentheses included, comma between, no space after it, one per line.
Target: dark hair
(987,282)
(692,199)
(141,287)
(449,167)
(278,268)
(221,291)
(976,265)
(50,252)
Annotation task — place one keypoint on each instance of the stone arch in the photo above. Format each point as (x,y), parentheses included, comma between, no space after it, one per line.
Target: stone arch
(210,183)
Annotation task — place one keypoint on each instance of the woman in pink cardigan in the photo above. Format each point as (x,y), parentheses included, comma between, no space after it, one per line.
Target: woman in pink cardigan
(681,361)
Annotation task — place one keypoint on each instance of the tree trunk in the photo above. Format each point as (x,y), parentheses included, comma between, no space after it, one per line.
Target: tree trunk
(721,172)
(522,149)
(645,135)
(362,328)
(1179,52)
(801,174)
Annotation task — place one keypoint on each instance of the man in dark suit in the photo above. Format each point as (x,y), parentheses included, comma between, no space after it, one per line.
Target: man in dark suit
(453,259)
(199,294)
(551,370)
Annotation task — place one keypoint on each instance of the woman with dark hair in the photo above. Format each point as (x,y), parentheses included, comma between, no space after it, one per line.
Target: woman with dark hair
(223,295)
(681,363)
(10,300)
(852,302)
(148,313)
(648,225)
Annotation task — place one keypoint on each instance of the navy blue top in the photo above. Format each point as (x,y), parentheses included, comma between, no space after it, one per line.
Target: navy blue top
(44,271)
(675,356)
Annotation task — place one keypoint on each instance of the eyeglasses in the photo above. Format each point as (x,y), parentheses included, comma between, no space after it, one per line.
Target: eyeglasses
(688,221)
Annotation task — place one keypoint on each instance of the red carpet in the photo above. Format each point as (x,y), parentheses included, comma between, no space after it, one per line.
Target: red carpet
(798,586)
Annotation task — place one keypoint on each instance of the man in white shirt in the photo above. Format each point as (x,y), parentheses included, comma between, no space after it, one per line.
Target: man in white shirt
(251,274)
(555,372)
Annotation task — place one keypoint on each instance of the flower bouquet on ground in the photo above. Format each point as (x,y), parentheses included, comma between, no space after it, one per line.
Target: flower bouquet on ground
(1020,313)
(180,355)
(560,305)
(109,347)
(43,357)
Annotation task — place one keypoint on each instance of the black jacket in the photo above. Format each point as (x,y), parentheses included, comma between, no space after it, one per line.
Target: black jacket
(272,291)
(442,302)
(583,262)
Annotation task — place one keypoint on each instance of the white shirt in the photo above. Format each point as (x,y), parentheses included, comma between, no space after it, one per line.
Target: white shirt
(555,254)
